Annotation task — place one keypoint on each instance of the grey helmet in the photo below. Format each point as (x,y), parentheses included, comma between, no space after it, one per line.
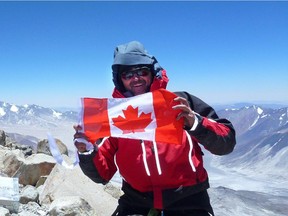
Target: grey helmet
(132,53)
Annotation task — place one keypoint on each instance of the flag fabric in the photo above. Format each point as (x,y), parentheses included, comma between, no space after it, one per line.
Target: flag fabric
(57,155)
(147,116)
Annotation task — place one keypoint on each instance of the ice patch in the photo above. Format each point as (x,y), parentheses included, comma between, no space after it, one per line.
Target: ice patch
(259,110)
(57,114)
(2,112)
(14,108)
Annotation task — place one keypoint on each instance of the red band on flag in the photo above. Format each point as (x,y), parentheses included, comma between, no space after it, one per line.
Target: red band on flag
(168,128)
(95,118)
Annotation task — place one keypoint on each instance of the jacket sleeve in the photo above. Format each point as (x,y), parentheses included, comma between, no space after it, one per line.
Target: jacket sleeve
(99,166)
(88,168)
(216,134)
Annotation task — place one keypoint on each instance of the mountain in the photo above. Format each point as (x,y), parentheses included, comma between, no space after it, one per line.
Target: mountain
(254,174)
(37,121)
(262,139)
(228,202)
(271,105)
(262,132)
(11,114)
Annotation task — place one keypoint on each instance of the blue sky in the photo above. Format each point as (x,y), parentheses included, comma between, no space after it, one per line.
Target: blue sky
(54,53)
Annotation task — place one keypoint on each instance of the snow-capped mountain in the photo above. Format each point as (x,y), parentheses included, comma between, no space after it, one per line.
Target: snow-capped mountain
(37,121)
(241,182)
(262,133)
(262,139)
(11,114)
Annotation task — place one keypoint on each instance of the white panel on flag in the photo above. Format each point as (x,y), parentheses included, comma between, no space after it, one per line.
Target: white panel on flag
(144,103)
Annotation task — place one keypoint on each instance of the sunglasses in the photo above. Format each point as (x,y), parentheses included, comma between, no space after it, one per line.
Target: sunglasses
(142,71)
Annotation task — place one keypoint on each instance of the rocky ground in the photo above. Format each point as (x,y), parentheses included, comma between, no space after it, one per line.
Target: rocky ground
(47,188)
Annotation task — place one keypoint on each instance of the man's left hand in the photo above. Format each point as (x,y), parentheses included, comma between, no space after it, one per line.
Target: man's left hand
(187,113)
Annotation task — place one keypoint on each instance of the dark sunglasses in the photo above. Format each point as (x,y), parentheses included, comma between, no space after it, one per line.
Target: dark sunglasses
(142,71)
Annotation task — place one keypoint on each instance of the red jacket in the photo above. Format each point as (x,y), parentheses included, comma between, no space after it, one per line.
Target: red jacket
(163,172)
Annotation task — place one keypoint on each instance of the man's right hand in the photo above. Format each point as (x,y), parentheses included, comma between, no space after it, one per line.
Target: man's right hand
(78,136)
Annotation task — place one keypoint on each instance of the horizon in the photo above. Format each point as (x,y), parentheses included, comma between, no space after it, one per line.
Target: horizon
(240,104)
(54,53)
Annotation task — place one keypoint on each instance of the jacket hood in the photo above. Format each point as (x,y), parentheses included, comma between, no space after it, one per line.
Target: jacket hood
(132,53)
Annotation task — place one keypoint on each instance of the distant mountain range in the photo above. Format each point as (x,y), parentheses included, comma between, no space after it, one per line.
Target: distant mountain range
(262,133)
(11,114)
(243,104)
(258,163)
(262,139)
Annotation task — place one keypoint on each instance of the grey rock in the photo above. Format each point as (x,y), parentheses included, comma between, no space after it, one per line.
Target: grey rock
(29,170)
(28,194)
(4,211)
(2,138)
(32,209)
(11,163)
(70,206)
(64,182)
(43,147)
(35,166)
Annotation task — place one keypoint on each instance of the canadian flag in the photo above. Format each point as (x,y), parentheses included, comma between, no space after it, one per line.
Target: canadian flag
(147,116)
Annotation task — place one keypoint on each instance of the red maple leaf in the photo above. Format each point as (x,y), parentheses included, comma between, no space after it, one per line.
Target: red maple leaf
(132,122)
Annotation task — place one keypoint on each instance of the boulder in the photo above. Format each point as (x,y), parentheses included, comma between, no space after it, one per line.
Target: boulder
(29,194)
(29,170)
(32,209)
(4,211)
(11,162)
(71,205)
(43,147)
(67,183)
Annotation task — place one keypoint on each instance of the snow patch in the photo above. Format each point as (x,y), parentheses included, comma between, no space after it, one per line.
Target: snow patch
(254,122)
(263,116)
(14,108)
(57,114)
(30,112)
(2,112)
(259,110)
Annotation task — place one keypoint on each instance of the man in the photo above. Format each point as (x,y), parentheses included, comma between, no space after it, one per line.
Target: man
(158,178)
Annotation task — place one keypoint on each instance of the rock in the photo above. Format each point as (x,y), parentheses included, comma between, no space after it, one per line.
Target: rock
(4,211)
(64,182)
(29,170)
(32,209)
(11,162)
(2,138)
(27,150)
(43,147)
(113,190)
(9,193)
(71,205)
(35,166)
(53,184)
(29,193)
(41,181)
(10,143)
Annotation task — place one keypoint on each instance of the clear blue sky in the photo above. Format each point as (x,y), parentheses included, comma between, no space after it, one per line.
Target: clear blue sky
(54,53)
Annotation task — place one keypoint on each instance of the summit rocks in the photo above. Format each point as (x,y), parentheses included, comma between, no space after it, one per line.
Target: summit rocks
(47,188)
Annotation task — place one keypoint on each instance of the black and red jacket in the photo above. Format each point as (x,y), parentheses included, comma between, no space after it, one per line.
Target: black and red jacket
(160,175)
